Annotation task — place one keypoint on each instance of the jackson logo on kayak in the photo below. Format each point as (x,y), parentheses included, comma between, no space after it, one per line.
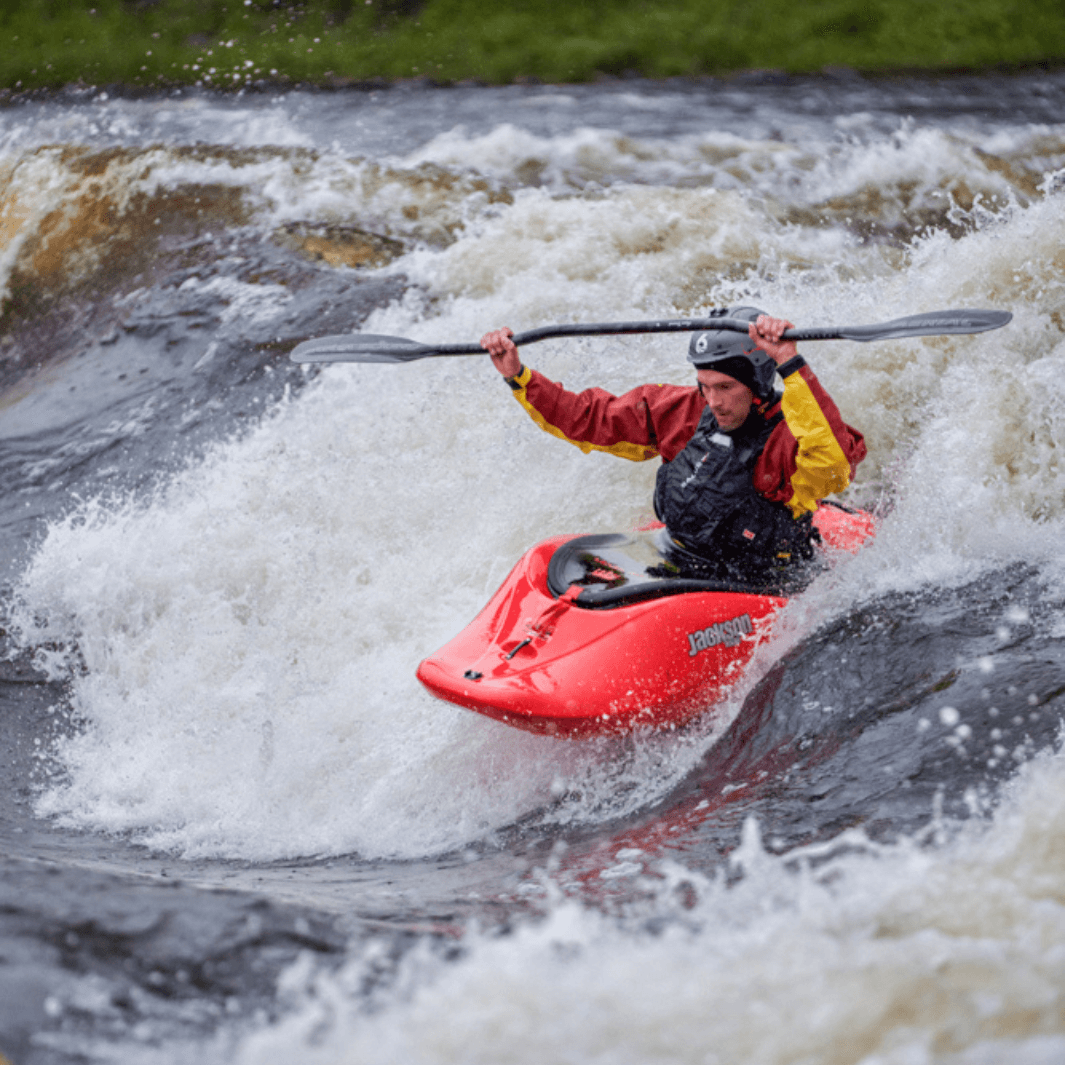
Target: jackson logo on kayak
(727,632)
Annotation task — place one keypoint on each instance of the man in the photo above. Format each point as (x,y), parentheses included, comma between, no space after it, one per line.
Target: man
(744,466)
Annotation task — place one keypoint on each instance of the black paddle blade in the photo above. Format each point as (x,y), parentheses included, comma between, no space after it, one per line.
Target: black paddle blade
(360,347)
(935,323)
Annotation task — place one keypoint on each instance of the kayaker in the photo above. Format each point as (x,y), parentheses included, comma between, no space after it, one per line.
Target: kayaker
(744,465)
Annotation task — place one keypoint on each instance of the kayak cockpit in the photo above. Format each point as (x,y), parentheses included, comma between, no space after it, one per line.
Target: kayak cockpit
(614,570)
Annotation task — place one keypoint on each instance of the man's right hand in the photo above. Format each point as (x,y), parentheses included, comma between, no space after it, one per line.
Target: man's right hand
(504,353)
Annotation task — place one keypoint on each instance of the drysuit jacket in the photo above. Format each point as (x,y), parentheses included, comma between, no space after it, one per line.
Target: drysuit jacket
(793,453)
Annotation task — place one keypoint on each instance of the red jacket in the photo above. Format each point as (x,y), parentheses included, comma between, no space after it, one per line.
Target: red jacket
(809,455)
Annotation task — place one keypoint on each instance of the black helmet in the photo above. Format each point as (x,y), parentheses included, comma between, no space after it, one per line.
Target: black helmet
(735,354)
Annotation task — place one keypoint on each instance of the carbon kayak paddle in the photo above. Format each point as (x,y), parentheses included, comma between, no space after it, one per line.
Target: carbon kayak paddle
(366,347)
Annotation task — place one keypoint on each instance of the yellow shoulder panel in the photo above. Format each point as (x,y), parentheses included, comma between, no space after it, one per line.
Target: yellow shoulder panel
(821,466)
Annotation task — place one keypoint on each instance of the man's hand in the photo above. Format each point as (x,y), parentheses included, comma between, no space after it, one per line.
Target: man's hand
(766,333)
(504,354)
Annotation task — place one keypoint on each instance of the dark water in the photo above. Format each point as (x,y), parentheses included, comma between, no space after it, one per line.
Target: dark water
(161,258)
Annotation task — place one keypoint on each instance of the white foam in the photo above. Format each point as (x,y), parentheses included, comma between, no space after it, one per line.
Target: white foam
(895,955)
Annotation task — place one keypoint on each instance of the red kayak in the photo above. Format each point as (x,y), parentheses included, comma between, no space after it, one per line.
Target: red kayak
(594,634)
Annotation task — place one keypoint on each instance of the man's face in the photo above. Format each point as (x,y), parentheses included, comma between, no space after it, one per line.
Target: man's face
(729,400)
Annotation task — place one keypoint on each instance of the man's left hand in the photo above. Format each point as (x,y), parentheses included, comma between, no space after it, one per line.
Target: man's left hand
(766,333)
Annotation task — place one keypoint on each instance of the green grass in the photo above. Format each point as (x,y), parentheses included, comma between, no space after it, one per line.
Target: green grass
(231,43)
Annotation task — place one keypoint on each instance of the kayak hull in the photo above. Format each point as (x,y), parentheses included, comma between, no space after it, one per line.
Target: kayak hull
(593,671)
(547,664)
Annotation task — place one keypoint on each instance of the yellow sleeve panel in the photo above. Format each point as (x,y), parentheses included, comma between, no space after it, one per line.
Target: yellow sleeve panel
(821,467)
(623,449)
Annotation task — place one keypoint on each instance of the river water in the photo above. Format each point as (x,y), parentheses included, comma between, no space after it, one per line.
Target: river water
(235,829)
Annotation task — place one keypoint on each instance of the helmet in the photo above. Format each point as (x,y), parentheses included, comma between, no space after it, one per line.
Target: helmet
(735,354)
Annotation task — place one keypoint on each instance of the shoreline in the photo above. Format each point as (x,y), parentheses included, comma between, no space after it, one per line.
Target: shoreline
(752,77)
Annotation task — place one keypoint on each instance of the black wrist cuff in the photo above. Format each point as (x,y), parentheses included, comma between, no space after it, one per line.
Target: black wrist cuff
(513,381)
(793,365)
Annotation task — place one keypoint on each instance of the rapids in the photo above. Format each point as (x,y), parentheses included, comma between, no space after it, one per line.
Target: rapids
(233,825)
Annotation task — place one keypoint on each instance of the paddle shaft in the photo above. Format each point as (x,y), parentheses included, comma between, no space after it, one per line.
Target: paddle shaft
(662,325)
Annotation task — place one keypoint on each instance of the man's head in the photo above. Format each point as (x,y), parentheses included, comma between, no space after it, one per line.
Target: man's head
(720,353)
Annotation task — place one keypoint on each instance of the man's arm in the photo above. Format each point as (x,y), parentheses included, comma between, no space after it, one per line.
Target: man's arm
(827,449)
(639,425)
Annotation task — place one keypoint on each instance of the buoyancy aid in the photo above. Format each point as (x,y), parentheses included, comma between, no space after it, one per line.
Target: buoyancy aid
(708,502)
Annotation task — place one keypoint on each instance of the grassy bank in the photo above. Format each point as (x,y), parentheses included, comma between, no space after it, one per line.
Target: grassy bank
(233,43)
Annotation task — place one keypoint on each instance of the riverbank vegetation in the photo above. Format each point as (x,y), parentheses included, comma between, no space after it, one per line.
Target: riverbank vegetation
(238,43)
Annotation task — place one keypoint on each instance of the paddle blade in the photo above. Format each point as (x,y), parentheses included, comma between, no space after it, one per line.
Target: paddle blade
(360,347)
(935,323)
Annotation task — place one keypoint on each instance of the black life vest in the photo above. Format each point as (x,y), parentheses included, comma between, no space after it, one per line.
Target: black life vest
(707,499)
